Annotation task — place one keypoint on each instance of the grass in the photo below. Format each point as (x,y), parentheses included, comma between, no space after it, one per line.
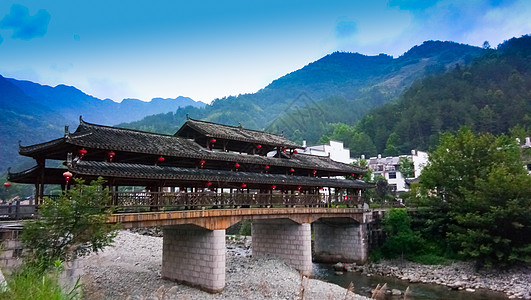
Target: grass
(29,283)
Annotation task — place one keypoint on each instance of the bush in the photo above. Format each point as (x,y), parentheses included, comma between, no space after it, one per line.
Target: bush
(245,229)
(73,225)
(30,283)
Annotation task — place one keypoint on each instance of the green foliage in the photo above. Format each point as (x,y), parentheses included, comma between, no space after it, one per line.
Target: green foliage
(401,240)
(245,229)
(479,181)
(490,95)
(71,226)
(29,282)
(406,167)
(404,242)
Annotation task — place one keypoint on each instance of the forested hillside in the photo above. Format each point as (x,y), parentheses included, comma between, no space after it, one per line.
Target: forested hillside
(493,94)
(340,87)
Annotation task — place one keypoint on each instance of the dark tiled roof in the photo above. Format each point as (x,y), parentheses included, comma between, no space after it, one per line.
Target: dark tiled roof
(237,133)
(134,141)
(139,171)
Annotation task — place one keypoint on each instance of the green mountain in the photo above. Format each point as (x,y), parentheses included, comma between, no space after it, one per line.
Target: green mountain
(338,87)
(492,94)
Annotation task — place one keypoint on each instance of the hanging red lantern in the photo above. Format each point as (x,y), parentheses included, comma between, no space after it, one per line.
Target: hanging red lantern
(82,152)
(266,167)
(202,163)
(244,185)
(295,151)
(273,187)
(292,170)
(314,172)
(359,176)
(213,141)
(67,175)
(209,183)
(111,155)
(258,146)
(284,149)
(161,159)
(299,188)
(236,165)
(7,184)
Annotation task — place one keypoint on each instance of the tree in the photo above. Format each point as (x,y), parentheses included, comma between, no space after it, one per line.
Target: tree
(406,167)
(391,148)
(479,180)
(401,239)
(71,226)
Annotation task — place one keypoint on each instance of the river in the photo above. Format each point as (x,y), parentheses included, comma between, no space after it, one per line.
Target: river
(418,291)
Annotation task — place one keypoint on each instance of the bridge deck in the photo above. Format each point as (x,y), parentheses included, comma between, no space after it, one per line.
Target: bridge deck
(216,219)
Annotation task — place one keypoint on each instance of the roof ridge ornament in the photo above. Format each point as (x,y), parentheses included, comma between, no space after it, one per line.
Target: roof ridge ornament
(187,117)
(67,133)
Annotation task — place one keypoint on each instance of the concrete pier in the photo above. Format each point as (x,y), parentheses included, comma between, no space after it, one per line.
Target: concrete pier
(195,256)
(340,240)
(286,240)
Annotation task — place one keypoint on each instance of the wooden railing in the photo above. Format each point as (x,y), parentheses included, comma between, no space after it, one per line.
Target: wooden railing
(163,201)
(155,201)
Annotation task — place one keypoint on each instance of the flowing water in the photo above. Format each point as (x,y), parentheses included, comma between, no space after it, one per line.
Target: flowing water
(418,291)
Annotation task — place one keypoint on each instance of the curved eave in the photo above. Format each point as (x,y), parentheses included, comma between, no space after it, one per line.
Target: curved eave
(282,141)
(33,175)
(145,172)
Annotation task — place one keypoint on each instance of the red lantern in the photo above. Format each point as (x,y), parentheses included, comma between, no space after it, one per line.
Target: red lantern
(299,188)
(67,175)
(236,165)
(359,176)
(258,146)
(273,187)
(7,184)
(244,185)
(292,170)
(82,152)
(161,159)
(111,155)
(314,172)
(202,163)
(209,183)
(284,149)
(266,167)
(213,141)
(295,151)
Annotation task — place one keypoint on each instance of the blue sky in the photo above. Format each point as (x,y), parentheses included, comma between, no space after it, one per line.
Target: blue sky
(211,49)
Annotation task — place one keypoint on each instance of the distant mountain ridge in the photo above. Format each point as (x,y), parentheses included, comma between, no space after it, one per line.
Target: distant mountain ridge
(340,87)
(33,113)
(71,102)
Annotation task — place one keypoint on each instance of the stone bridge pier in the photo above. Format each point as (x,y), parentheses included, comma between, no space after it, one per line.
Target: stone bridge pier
(285,239)
(340,240)
(195,256)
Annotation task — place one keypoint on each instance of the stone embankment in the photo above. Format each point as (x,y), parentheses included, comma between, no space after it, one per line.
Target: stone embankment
(514,282)
(131,270)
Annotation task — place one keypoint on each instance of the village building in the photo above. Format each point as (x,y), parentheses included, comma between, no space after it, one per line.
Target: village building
(202,164)
(388,167)
(334,149)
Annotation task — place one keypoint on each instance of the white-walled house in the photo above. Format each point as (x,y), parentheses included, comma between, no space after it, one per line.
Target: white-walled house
(388,168)
(334,149)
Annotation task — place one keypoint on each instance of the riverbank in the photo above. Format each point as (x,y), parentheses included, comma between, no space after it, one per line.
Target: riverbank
(131,270)
(514,282)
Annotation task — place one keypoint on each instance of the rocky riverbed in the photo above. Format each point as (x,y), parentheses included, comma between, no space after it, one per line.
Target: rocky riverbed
(514,282)
(131,270)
